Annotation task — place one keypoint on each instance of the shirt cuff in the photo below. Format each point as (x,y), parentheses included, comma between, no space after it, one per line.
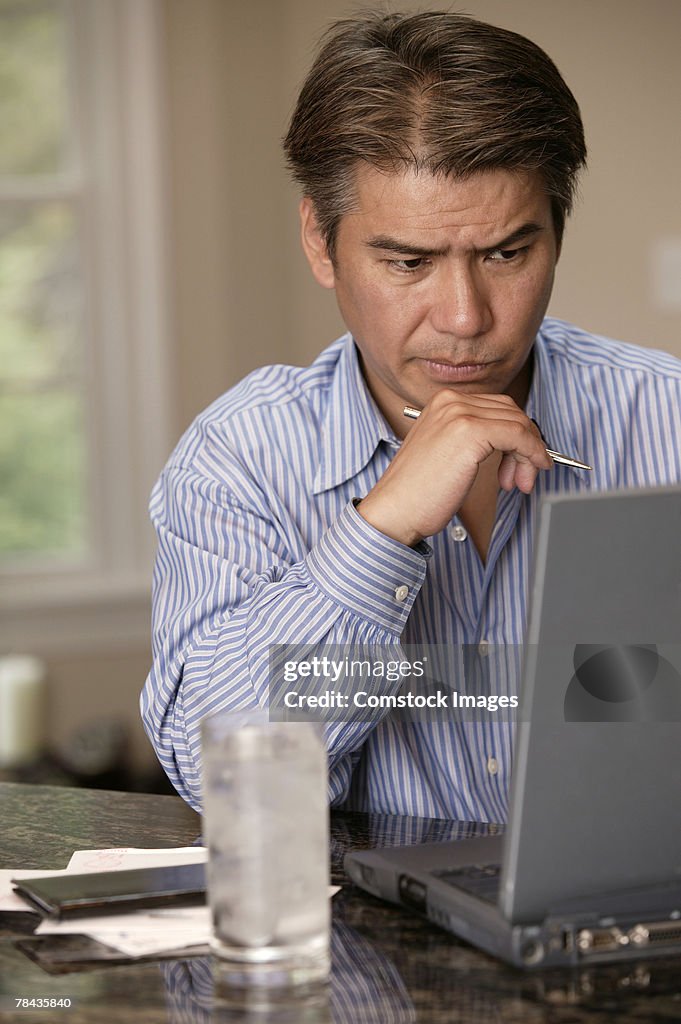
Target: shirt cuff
(371,575)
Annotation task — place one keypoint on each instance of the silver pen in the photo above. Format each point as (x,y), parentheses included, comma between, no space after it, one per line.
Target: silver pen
(565,460)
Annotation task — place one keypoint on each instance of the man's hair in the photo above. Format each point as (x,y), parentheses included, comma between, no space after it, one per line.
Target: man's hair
(436,92)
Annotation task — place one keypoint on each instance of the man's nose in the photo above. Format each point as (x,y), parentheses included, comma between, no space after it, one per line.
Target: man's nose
(462,306)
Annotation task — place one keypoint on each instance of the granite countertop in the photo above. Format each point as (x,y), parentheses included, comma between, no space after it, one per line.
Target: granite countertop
(389,967)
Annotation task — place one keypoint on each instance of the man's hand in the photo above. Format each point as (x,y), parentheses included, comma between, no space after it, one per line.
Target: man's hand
(428,480)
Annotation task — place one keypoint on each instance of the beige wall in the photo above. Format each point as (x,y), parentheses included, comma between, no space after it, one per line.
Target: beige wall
(243,295)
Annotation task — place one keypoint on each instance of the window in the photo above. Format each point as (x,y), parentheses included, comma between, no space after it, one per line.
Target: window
(83,324)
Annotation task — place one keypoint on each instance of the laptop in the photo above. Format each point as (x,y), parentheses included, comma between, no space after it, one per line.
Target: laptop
(589,867)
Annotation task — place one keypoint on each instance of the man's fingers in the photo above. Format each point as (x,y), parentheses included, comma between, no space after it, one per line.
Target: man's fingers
(515,471)
(433,472)
(446,407)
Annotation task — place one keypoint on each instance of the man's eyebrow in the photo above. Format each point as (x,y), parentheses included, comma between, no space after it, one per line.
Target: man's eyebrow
(386,243)
(521,234)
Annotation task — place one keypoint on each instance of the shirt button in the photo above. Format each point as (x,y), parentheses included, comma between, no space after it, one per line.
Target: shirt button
(483,648)
(492,765)
(401,593)
(459,533)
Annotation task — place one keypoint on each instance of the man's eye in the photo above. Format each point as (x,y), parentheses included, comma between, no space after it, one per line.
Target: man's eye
(409,266)
(506,255)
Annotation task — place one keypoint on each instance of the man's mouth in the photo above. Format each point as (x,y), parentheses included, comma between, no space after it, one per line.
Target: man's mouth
(445,370)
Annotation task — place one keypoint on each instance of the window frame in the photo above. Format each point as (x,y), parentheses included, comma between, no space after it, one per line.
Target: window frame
(119,180)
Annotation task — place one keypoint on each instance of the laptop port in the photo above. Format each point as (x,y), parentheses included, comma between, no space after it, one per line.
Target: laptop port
(656,933)
(368,874)
(532,952)
(412,893)
(600,940)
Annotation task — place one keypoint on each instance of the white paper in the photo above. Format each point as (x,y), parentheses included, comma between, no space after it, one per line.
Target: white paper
(126,858)
(143,922)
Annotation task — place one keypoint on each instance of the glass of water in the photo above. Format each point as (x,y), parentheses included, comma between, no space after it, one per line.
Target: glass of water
(266,826)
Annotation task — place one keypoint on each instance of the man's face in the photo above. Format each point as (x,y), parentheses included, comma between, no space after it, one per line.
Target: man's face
(442,283)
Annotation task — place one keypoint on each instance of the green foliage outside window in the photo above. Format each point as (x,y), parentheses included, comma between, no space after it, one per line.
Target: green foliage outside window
(33,87)
(42,450)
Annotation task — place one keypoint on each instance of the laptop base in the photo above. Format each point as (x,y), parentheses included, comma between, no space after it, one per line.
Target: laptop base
(568,936)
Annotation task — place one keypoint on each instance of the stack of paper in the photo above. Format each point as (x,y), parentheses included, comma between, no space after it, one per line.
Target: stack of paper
(141,933)
(181,930)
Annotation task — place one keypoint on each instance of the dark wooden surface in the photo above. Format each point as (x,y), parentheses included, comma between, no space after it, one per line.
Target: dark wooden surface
(389,967)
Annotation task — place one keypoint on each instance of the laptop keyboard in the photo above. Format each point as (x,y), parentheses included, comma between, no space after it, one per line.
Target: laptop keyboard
(482,880)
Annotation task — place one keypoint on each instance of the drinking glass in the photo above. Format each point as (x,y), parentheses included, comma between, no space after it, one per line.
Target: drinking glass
(266,826)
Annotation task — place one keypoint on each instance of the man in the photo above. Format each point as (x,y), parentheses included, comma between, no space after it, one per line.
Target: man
(438,158)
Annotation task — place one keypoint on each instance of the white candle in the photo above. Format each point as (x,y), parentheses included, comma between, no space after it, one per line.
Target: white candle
(22,698)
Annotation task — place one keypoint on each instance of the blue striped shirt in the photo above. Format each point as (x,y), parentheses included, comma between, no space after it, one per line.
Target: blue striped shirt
(259,543)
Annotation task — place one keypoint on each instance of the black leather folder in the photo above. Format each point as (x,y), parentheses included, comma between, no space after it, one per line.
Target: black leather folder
(114,892)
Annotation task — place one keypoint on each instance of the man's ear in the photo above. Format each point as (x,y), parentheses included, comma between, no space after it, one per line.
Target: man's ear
(314,245)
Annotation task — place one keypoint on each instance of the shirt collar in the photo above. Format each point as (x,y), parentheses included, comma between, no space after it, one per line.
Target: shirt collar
(352,426)
(548,406)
